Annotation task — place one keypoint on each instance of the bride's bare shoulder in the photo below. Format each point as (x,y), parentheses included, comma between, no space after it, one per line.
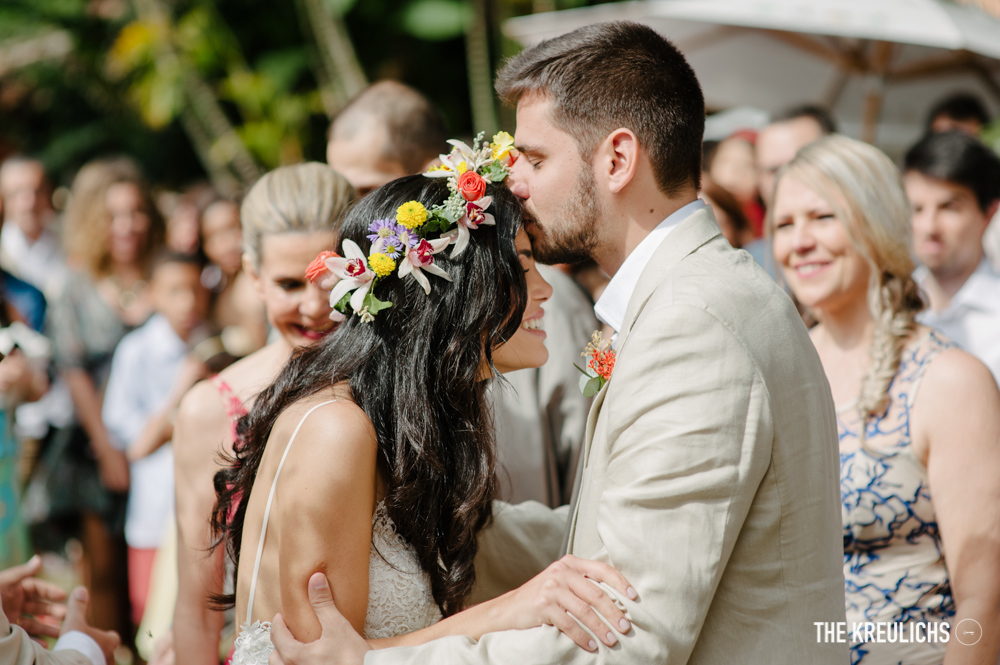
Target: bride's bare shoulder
(326,426)
(322,515)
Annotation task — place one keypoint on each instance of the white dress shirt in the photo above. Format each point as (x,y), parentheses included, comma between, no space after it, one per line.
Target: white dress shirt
(76,640)
(613,303)
(143,371)
(972,318)
(40,263)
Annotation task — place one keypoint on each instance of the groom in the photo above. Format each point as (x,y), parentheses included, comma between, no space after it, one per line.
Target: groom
(710,471)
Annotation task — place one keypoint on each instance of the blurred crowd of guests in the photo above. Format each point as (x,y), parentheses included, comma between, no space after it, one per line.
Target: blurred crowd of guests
(137,325)
(142,323)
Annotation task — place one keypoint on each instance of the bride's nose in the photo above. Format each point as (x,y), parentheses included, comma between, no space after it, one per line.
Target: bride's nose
(538,289)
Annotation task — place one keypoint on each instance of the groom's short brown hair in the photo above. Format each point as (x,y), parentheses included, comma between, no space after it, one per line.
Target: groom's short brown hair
(619,74)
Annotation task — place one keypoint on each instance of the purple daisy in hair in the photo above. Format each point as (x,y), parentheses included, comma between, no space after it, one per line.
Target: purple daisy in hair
(384,238)
(407,238)
(389,245)
(382,228)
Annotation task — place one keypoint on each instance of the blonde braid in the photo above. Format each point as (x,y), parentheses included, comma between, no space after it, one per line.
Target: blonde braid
(895,301)
(865,190)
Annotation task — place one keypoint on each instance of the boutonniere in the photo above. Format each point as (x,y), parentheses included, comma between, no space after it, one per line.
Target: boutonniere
(600,362)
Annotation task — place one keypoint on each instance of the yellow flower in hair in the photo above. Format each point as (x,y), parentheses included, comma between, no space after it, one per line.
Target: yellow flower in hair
(461,168)
(502,143)
(381,264)
(412,214)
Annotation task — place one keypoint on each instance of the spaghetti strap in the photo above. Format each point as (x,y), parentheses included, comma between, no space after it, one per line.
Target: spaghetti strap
(267,508)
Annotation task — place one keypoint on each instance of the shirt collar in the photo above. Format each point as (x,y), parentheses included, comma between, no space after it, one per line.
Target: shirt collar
(611,306)
(165,342)
(980,291)
(13,238)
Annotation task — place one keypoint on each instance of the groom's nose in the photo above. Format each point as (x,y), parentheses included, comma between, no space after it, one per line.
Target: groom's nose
(516,181)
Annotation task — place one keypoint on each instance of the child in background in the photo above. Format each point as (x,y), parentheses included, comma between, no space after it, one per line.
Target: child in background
(151,370)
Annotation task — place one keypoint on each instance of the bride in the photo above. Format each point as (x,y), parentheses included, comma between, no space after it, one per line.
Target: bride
(371,458)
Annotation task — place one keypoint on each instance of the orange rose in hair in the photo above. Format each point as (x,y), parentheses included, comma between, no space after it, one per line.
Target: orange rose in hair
(318,272)
(472,186)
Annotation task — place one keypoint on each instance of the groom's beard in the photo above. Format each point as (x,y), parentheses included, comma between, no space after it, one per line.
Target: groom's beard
(572,237)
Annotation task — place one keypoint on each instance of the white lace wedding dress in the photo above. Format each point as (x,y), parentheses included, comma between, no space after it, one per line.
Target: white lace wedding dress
(399,592)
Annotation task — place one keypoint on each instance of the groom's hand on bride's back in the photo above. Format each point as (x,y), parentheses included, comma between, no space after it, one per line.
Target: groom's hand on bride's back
(338,644)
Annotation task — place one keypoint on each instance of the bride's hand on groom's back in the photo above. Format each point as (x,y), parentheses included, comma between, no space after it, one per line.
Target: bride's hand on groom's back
(564,590)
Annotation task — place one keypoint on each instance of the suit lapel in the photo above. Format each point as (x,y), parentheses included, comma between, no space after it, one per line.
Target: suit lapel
(595,409)
(689,235)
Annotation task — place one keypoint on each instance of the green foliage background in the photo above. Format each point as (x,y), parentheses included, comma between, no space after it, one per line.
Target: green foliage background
(121,89)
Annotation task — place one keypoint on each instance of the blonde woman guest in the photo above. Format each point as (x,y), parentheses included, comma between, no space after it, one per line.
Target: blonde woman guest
(919,420)
(112,231)
(288,217)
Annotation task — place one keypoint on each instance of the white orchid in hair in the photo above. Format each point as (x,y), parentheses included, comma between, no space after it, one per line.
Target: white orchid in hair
(474,217)
(354,274)
(420,258)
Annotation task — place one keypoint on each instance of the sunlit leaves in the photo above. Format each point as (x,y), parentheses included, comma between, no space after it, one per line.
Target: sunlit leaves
(437,20)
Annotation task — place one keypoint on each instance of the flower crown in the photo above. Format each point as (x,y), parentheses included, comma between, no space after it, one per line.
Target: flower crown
(405,242)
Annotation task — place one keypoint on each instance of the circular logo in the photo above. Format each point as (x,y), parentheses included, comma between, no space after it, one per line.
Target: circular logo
(968,632)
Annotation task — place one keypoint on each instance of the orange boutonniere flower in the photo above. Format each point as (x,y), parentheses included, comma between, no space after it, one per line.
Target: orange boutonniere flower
(600,363)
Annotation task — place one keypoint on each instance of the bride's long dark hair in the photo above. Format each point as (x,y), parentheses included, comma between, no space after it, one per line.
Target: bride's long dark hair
(416,371)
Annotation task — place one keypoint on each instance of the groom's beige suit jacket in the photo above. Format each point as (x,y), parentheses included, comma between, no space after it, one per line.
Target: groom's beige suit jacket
(710,479)
(17,648)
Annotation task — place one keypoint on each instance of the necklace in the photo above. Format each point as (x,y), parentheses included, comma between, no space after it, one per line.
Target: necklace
(127,298)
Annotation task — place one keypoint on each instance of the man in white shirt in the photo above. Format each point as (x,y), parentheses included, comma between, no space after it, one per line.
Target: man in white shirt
(30,248)
(953,181)
(710,471)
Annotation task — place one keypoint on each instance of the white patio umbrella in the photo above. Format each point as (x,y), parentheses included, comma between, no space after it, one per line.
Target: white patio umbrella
(877,64)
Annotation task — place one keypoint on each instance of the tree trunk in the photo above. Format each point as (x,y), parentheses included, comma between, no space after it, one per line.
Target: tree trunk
(477,49)
(341,76)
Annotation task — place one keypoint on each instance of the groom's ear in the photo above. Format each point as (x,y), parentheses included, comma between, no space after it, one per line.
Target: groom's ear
(618,158)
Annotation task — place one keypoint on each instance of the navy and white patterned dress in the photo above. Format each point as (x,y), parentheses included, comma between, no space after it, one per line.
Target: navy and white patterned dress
(894,567)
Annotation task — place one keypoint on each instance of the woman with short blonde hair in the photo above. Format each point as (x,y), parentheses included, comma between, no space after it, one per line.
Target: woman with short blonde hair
(915,414)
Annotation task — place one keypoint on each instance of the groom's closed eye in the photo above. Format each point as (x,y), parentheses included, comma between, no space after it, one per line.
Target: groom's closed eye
(532,154)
